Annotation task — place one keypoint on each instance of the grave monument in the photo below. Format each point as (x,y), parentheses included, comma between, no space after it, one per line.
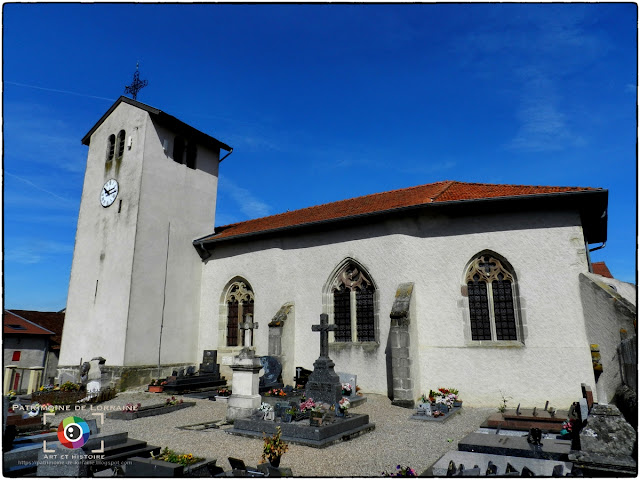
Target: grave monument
(324,387)
(245,399)
(324,383)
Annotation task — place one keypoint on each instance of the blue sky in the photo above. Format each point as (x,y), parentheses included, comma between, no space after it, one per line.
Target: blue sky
(321,103)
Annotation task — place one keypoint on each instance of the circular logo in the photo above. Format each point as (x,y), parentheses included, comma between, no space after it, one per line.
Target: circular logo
(73,432)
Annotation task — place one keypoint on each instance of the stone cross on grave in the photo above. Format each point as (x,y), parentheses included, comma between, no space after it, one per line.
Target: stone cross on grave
(248,325)
(324,328)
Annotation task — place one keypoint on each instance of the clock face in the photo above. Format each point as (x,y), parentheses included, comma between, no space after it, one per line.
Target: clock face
(109,193)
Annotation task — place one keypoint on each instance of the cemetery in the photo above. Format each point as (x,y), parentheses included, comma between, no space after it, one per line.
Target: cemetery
(320,424)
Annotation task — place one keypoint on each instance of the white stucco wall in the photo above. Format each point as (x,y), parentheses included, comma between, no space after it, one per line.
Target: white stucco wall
(96,315)
(177,204)
(163,205)
(545,250)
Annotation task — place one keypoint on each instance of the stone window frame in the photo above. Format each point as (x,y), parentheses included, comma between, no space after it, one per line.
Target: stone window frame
(247,290)
(518,306)
(328,306)
(111,147)
(120,143)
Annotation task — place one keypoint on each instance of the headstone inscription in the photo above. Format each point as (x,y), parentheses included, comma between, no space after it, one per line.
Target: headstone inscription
(324,383)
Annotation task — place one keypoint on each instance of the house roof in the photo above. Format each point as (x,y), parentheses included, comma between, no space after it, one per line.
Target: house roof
(53,321)
(163,118)
(422,196)
(16,325)
(600,268)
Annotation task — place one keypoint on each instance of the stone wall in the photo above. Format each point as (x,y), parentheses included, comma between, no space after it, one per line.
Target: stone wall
(606,313)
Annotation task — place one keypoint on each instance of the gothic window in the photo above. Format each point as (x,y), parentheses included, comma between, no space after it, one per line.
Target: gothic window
(111,146)
(492,311)
(239,300)
(192,152)
(121,136)
(353,306)
(178,149)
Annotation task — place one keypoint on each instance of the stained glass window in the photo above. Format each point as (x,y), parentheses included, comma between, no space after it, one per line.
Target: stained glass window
(364,316)
(240,302)
(342,314)
(492,311)
(354,306)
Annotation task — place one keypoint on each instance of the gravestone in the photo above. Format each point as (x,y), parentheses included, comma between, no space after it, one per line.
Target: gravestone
(324,383)
(180,372)
(272,373)
(208,377)
(302,377)
(209,362)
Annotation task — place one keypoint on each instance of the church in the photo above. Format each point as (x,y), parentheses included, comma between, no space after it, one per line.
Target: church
(449,284)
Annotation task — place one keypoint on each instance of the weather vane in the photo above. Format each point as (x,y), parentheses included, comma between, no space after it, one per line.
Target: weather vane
(136,85)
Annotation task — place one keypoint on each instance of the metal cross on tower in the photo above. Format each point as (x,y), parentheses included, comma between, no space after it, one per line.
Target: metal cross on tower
(136,85)
(324,328)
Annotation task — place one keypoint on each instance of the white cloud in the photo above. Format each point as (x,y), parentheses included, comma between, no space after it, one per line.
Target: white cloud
(34,251)
(246,201)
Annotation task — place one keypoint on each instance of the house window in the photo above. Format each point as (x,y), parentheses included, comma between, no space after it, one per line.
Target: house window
(492,310)
(111,146)
(178,150)
(353,305)
(121,136)
(16,356)
(239,301)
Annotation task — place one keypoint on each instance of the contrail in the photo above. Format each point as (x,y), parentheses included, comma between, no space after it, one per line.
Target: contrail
(59,91)
(37,187)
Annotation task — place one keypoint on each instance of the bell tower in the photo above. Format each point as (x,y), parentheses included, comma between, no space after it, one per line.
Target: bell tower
(149,189)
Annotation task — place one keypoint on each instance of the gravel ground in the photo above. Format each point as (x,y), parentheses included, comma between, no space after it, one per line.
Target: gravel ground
(395,440)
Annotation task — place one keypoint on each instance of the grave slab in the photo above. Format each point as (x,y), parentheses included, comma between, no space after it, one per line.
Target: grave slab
(514,446)
(148,467)
(149,411)
(539,467)
(510,422)
(431,418)
(302,433)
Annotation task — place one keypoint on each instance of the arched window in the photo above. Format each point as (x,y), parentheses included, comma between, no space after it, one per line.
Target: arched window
(111,147)
(239,300)
(353,298)
(121,136)
(492,308)
(192,152)
(178,149)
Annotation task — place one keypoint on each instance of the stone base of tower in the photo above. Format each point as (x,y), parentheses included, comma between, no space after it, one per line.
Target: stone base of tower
(121,377)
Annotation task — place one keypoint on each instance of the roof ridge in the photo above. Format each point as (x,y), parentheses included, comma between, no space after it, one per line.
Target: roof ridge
(451,182)
(530,186)
(338,201)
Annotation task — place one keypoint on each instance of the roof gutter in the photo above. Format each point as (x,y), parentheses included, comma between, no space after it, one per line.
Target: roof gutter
(201,241)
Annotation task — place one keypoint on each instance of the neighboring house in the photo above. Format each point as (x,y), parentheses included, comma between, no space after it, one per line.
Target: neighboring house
(31,339)
(490,275)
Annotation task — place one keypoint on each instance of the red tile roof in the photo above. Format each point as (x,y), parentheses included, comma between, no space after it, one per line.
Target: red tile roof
(600,268)
(15,324)
(53,321)
(439,192)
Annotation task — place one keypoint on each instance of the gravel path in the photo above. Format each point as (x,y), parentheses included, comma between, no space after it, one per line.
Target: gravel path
(395,440)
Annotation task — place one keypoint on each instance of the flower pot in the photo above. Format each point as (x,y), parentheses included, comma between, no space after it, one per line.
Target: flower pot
(274,461)
(286,417)
(156,388)
(457,404)
(347,392)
